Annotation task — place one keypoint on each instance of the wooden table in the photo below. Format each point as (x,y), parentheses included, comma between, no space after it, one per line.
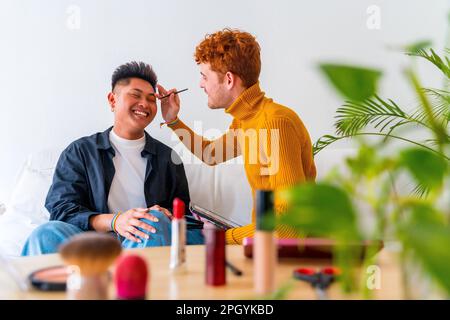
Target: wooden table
(164,285)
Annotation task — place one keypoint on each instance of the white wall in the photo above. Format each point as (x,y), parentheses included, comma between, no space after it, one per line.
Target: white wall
(54,79)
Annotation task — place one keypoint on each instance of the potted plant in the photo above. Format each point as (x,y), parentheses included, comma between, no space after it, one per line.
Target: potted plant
(418,220)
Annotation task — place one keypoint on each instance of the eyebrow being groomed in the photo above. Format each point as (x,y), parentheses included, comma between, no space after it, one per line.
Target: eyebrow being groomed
(152,94)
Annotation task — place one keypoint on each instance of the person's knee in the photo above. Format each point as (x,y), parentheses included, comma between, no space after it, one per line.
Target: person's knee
(162,223)
(161,237)
(47,231)
(164,228)
(47,237)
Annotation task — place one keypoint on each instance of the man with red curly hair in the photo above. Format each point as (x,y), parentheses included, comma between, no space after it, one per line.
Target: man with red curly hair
(273,141)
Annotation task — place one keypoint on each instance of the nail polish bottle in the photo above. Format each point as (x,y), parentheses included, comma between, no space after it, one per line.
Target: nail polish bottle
(215,256)
(265,255)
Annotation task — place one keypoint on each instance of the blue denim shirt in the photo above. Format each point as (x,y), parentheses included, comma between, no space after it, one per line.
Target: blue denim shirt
(85,171)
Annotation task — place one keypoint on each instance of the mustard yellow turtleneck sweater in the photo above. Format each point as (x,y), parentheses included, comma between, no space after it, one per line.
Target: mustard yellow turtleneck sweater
(274,143)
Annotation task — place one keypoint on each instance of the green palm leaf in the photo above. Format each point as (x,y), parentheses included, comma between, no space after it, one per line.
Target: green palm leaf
(440,104)
(439,129)
(421,190)
(323,142)
(354,116)
(416,46)
(442,64)
(326,140)
(432,142)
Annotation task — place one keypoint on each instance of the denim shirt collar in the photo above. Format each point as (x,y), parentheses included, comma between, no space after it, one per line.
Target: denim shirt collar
(103,143)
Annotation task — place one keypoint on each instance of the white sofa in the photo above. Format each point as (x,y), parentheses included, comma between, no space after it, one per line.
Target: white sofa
(223,188)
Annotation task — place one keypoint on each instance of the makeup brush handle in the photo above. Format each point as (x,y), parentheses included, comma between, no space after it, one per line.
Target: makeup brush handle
(88,287)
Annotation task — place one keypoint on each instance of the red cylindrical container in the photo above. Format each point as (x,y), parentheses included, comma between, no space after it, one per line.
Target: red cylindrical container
(215,256)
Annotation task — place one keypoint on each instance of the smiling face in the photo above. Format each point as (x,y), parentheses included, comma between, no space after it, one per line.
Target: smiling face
(134,104)
(215,86)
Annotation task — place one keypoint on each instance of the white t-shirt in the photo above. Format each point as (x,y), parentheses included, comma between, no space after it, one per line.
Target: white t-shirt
(127,188)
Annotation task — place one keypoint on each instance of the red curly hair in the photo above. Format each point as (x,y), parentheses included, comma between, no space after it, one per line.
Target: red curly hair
(231,50)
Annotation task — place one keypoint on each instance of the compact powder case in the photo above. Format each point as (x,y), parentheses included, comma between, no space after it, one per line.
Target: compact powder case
(50,279)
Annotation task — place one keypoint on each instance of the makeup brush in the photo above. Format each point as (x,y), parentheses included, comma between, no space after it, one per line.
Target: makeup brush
(167,95)
(89,255)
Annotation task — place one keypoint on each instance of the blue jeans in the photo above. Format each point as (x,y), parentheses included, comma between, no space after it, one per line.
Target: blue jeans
(48,237)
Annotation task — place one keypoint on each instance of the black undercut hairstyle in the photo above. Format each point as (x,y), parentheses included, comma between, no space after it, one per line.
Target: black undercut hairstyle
(134,69)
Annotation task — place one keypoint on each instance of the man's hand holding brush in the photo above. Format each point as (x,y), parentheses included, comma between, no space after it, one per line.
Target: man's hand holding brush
(170,103)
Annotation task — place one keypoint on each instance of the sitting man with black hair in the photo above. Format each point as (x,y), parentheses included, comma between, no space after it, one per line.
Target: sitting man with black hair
(121,180)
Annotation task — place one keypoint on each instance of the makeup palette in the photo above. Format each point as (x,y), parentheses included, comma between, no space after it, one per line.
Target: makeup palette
(50,279)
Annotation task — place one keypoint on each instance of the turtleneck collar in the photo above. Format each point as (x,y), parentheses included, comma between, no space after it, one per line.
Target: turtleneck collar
(247,105)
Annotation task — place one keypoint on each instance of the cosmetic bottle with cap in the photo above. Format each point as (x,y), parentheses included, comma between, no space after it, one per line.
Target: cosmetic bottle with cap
(215,274)
(265,255)
(178,245)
